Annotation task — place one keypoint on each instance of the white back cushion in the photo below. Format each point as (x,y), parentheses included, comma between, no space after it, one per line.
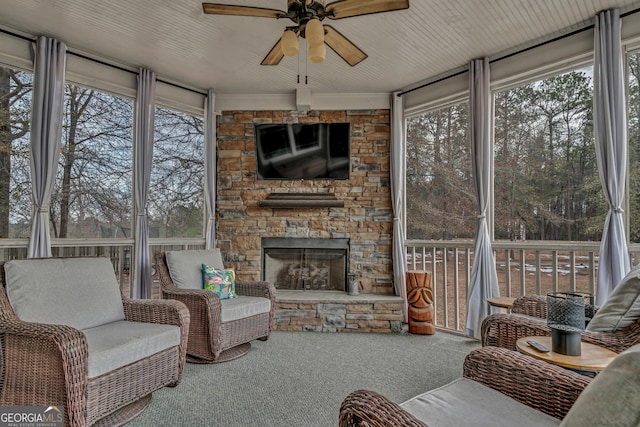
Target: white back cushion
(77,292)
(185,267)
(622,308)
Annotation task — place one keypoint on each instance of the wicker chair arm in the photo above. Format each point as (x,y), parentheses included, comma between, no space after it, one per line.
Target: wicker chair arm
(167,312)
(194,298)
(58,355)
(617,341)
(504,330)
(257,289)
(205,310)
(538,384)
(368,408)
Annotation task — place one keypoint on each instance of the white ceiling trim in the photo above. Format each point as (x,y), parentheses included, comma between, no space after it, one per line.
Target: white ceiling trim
(16,52)
(287,102)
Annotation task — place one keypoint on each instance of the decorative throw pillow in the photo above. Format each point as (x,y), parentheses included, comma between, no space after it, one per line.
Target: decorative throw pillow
(221,282)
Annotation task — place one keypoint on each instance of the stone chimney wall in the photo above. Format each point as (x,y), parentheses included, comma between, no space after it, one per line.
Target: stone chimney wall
(366,218)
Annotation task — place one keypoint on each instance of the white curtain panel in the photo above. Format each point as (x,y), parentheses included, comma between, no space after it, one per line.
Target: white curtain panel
(210,171)
(46,132)
(398,171)
(609,118)
(483,282)
(142,157)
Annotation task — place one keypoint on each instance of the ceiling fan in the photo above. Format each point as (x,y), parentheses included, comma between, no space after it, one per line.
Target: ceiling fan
(307,15)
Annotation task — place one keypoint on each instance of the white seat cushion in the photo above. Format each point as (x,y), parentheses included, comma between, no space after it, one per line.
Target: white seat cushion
(243,307)
(185,267)
(77,292)
(465,402)
(118,344)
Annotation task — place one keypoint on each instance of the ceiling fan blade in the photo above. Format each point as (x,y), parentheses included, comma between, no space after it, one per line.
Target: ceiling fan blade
(346,8)
(274,56)
(227,9)
(343,47)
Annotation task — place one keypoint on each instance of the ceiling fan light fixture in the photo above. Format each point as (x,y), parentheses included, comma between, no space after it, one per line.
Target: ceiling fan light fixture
(314,32)
(289,43)
(307,15)
(317,53)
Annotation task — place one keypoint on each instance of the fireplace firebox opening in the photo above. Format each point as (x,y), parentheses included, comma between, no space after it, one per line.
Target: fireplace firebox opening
(305,263)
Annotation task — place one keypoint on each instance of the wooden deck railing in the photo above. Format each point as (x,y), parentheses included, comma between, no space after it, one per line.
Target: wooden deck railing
(522,267)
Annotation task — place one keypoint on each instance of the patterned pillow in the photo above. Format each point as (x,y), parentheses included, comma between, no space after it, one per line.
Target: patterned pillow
(221,282)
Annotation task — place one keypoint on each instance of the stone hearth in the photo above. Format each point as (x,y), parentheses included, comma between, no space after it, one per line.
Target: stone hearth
(331,311)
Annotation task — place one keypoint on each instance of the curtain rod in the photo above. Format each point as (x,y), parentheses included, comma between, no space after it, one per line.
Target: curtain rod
(117,67)
(555,39)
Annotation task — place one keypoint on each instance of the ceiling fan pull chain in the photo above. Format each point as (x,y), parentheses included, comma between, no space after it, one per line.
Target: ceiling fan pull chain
(306,67)
(298,69)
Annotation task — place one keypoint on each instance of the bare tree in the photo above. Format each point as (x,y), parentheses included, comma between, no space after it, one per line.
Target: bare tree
(93,186)
(15,87)
(176,196)
(633,103)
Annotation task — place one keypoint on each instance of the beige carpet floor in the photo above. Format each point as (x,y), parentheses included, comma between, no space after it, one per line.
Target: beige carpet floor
(300,379)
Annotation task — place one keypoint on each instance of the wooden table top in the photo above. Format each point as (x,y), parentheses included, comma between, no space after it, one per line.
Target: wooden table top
(592,358)
(503,302)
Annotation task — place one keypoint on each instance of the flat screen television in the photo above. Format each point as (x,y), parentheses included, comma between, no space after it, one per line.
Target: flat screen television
(303,151)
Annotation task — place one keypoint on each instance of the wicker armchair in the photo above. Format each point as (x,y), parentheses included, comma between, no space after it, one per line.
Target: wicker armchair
(49,363)
(211,340)
(540,386)
(531,305)
(528,317)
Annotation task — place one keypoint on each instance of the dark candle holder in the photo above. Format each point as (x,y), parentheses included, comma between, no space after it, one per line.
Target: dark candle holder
(566,316)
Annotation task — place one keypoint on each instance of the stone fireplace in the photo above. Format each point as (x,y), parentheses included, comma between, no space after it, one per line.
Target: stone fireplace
(356,210)
(305,263)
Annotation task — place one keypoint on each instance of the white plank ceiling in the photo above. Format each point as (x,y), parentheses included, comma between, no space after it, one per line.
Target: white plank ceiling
(181,44)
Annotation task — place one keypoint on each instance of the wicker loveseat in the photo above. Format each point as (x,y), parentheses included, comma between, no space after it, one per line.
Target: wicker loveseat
(221,329)
(502,387)
(615,325)
(70,339)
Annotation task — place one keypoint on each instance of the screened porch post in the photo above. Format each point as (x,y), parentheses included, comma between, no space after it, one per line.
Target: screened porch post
(610,126)
(46,132)
(142,158)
